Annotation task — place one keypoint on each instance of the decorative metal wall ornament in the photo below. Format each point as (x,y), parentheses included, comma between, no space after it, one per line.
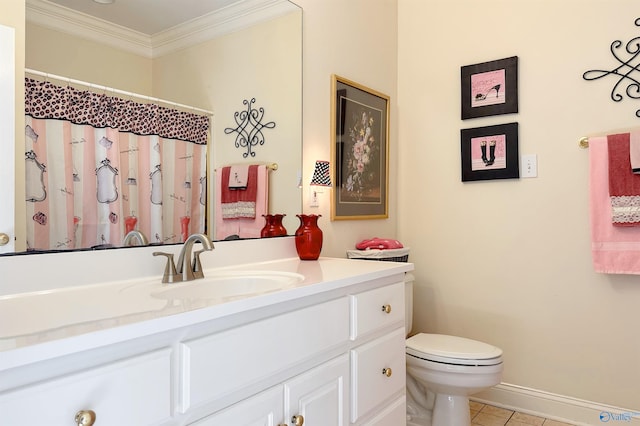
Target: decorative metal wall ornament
(625,71)
(249,127)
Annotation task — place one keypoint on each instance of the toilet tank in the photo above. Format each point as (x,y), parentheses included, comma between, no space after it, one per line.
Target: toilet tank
(408,301)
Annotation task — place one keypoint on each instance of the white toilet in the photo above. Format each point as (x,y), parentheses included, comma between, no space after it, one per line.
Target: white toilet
(442,371)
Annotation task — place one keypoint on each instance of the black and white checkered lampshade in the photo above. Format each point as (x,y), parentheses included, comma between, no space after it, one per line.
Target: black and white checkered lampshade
(321,174)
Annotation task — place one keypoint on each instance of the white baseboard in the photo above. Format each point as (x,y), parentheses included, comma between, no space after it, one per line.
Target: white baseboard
(556,407)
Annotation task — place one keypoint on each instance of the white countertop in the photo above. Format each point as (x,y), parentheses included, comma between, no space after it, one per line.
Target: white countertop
(45,323)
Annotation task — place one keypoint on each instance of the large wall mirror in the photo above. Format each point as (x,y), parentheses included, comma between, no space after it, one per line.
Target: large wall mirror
(223,56)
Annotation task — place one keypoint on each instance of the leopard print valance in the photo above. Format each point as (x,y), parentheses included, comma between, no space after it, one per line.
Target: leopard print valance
(44,99)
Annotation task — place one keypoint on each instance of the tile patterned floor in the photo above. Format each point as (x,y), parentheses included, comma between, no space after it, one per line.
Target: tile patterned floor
(488,415)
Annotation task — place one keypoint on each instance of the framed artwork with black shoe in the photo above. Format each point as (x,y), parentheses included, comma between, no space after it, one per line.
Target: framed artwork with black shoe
(490,152)
(489,88)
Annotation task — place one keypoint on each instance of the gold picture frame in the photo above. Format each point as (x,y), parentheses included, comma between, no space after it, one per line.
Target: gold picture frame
(359,151)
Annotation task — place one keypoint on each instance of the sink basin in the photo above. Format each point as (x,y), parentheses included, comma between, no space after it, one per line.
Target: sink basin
(229,286)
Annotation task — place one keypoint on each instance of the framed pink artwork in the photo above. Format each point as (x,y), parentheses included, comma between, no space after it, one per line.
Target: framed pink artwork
(489,88)
(490,152)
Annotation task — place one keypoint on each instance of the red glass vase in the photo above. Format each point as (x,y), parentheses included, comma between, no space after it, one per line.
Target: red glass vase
(273,226)
(308,237)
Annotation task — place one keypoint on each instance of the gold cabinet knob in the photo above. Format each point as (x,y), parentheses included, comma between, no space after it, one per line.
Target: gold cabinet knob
(386,309)
(297,420)
(4,239)
(85,417)
(387,372)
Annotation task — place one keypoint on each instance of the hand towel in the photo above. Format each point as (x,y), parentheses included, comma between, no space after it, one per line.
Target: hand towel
(238,177)
(239,203)
(634,151)
(243,227)
(615,249)
(624,185)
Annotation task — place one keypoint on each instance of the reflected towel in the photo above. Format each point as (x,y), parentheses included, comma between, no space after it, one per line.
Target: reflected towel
(634,151)
(624,185)
(238,176)
(243,227)
(239,203)
(615,249)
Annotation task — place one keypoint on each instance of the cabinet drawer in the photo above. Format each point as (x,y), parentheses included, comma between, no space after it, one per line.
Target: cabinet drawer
(370,386)
(219,364)
(368,309)
(136,391)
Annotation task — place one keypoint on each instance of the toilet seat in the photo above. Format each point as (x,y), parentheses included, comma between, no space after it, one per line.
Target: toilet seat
(452,350)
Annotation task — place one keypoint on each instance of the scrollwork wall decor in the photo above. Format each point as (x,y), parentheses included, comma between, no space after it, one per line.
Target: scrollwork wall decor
(625,72)
(249,128)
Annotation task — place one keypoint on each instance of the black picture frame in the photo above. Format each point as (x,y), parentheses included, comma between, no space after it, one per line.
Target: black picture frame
(359,151)
(490,152)
(489,88)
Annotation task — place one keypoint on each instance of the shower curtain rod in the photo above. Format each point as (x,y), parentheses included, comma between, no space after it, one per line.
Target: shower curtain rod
(118,91)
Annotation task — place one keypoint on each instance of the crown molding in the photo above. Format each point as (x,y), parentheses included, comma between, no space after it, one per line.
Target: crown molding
(59,18)
(233,18)
(207,27)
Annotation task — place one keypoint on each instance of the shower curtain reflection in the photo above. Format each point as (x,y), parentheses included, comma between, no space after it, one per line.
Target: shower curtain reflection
(98,167)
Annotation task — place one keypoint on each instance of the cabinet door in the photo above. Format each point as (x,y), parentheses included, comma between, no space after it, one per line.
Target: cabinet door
(320,395)
(394,414)
(378,372)
(264,409)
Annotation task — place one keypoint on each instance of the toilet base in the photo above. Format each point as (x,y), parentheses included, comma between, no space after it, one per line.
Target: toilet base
(451,410)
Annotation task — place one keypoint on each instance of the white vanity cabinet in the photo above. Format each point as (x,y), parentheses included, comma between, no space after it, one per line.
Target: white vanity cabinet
(331,354)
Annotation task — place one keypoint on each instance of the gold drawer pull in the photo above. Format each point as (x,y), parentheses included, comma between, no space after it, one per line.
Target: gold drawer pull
(387,372)
(297,420)
(386,309)
(4,239)
(85,417)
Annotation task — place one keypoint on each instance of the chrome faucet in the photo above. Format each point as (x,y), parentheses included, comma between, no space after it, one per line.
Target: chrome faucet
(135,235)
(186,269)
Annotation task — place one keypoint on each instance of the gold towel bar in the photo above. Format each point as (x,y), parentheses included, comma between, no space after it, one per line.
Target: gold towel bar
(270,166)
(583,142)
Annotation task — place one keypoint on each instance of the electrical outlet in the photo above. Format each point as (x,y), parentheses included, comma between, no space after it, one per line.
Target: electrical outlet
(529,166)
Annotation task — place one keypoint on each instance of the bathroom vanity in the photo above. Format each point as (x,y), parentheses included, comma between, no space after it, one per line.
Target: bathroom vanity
(327,349)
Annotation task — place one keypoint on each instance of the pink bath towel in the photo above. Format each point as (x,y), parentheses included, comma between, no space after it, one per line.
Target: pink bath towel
(615,249)
(624,185)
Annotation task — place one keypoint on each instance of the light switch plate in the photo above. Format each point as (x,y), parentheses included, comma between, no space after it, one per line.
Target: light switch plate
(529,166)
(313,198)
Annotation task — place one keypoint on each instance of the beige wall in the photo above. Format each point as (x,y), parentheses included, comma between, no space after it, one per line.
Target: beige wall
(508,262)
(356,40)
(62,54)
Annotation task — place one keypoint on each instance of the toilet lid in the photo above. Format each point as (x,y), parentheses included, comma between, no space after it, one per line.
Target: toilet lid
(453,350)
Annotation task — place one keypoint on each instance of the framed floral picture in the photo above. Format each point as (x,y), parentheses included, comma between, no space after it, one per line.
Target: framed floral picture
(360,151)
(489,88)
(490,152)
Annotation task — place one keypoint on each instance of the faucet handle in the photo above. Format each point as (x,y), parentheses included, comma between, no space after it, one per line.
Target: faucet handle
(197,265)
(170,275)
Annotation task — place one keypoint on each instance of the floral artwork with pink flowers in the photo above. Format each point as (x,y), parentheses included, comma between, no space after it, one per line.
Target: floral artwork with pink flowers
(360,151)
(361,176)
